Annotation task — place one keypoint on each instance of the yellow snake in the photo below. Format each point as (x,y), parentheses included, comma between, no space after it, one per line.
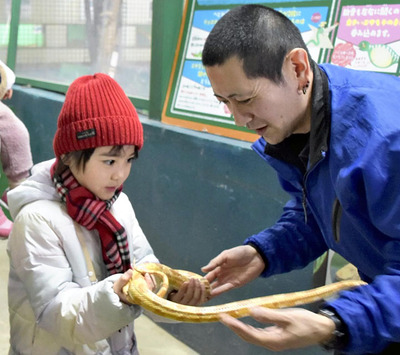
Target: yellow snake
(137,292)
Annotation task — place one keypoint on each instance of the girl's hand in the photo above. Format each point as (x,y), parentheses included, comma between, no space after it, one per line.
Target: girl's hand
(191,293)
(120,283)
(151,282)
(124,279)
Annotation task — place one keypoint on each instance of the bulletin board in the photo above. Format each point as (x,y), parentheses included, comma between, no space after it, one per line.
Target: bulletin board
(355,34)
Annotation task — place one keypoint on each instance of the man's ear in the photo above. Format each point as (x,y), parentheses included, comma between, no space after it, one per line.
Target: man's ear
(300,64)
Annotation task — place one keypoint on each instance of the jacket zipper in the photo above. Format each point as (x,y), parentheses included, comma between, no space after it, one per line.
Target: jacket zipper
(304,203)
(336,217)
(303,188)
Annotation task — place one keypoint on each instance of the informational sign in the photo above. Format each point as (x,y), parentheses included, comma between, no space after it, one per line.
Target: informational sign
(368,37)
(194,93)
(363,35)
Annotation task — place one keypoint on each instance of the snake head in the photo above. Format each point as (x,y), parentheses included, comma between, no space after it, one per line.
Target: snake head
(363,45)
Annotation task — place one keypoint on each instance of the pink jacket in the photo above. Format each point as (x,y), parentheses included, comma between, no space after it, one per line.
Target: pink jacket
(15,153)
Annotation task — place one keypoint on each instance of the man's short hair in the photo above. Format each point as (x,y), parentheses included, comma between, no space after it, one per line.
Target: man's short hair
(258,35)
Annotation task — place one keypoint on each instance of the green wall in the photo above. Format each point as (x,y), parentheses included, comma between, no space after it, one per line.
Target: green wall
(194,194)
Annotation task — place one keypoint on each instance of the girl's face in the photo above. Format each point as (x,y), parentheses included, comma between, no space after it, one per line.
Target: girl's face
(105,171)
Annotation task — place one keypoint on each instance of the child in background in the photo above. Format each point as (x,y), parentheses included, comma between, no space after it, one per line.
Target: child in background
(16,156)
(75,233)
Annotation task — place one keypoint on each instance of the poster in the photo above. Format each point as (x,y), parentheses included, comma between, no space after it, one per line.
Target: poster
(190,99)
(194,90)
(368,38)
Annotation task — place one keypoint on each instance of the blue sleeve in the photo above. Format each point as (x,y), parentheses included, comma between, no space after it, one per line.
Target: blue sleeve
(371,313)
(290,243)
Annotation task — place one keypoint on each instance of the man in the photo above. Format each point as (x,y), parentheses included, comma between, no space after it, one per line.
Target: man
(332,134)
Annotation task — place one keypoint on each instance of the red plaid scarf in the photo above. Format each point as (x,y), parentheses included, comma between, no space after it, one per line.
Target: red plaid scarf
(92,213)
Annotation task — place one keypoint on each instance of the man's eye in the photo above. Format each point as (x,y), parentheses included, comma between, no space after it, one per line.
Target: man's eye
(244,101)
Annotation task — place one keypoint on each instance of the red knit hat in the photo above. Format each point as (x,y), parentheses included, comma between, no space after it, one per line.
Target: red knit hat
(96,113)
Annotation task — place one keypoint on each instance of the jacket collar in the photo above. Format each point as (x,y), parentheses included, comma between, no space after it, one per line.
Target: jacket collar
(320,117)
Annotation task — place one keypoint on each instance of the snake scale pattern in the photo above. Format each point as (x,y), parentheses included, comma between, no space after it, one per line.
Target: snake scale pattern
(137,292)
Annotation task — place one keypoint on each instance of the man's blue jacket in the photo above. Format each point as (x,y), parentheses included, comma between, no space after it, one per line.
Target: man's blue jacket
(351,195)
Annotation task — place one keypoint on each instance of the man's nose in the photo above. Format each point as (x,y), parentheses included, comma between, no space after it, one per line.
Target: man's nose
(241,117)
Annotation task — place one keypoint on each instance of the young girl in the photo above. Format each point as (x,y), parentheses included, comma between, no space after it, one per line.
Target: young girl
(75,233)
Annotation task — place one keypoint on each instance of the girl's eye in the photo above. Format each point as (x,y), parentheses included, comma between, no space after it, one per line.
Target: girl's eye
(109,162)
(130,160)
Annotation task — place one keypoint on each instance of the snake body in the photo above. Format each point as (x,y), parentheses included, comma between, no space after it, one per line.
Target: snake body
(137,292)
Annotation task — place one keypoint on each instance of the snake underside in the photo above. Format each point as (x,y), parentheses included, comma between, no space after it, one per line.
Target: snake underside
(137,292)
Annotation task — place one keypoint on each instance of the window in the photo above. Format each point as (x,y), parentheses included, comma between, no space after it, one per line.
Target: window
(60,40)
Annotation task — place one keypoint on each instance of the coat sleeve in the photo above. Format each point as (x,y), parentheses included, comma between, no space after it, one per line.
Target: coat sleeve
(292,242)
(74,314)
(15,152)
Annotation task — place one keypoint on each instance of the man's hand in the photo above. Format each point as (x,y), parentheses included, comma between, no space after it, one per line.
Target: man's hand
(292,328)
(233,268)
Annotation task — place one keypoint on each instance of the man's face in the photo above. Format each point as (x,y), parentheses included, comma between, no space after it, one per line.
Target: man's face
(273,111)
